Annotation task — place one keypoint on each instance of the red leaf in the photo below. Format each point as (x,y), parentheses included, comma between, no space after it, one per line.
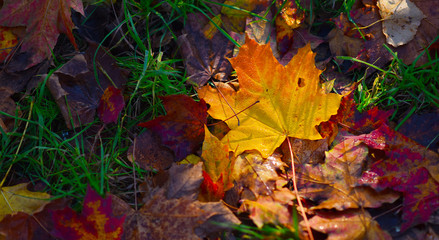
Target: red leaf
(44,21)
(212,191)
(182,129)
(410,169)
(111,105)
(95,222)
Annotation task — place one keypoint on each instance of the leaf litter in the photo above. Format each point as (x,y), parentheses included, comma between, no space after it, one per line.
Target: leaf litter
(279,127)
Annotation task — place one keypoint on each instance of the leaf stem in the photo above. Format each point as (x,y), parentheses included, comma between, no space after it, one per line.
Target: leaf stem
(305,218)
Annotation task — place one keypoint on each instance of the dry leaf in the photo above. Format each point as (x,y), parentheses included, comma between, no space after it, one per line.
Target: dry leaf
(401,20)
(18,199)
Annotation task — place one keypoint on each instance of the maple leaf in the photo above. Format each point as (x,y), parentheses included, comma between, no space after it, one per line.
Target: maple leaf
(38,225)
(218,166)
(182,129)
(255,175)
(333,184)
(419,186)
(274,209)
(172,212)
(96,220)
(148,152)
(44,21)
(77,91)
(110,105)
(276,101)
(348,225)
(8,40)
(18,199)
(205,58)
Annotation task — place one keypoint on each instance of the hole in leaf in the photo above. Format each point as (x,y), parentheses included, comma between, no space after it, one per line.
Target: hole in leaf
(301,82)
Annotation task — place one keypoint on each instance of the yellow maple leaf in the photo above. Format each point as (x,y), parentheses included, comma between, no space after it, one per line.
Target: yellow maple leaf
(18,199)
(276,101)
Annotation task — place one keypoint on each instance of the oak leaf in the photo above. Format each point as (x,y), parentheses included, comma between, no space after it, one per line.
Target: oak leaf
(18,199)
(276,101)
(44,21)
(96,220)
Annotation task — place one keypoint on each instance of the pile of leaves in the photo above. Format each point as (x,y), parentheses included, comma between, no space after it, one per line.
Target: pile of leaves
(269,144)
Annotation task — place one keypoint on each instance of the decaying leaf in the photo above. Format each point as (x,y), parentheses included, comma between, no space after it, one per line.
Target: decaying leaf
(75,88)
(182,129)
(22,225)
(333,184)
(96,220)
(205,58)
(148,152)
(255,175)
(401,20)
(348,225)
(274,209)
(172,212)
(44,21)
(110,105)
(419,185)
(274,101)
(17,198)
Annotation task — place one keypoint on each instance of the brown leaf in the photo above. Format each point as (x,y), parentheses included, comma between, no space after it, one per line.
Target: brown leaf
(44,21)
(75,81)
(348,225)
(172,212)
(148,152)
(333,184)
(205,59)
(255,175)
(38,226)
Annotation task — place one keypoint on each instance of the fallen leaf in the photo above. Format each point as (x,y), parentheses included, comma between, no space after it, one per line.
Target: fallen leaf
(218,165)
(205,58)
(8,40)
(333,184)
(401,19)
(31,226)
(44,21)
(182,129)
(289,18)
(172,212)
(96,220)
(148,152)
(75,88)
(255,175)
(419,186)
(274,209)
(110,105)
(348,225)
(274,101)
(17,198)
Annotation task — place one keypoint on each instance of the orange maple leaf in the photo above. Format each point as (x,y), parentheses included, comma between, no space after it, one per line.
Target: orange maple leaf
(276,101)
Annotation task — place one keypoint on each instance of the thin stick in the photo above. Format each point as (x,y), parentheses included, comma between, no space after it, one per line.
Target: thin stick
(235,114)
(308,228)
